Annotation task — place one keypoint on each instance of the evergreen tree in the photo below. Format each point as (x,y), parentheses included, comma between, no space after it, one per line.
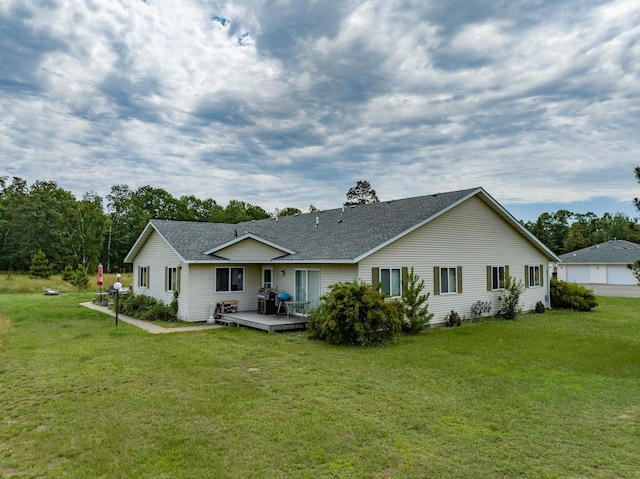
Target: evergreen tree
(416,308)
(40,267)
(361,194)
(80,278)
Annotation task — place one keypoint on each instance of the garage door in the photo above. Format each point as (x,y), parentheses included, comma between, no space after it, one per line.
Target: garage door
(620,275)
(578,274)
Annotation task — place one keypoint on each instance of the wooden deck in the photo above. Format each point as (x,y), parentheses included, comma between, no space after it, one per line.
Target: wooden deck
(266,322)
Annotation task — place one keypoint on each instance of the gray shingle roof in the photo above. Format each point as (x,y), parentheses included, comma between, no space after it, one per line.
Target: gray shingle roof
(337,235)
(609,252)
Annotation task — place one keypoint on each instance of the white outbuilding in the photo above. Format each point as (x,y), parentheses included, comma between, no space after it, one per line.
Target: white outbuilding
(604,263)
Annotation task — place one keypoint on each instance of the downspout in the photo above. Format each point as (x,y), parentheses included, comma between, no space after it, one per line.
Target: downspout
(549,276)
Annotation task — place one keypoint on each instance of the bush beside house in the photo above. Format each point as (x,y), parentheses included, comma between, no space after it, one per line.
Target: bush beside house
(571,296)
(355,314)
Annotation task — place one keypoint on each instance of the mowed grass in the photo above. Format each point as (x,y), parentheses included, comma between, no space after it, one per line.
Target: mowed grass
(553,395)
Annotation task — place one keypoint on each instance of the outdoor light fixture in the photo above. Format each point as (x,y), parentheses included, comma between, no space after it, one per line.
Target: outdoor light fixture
(117,286)
(282,272)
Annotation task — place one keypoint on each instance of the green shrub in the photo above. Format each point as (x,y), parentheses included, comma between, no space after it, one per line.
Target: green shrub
(174,304)
(452,319)
(571,296)
(80,279)
(67,273)
(540,308)
(40,267)
(416,308)
(352,313)
(159,312)
(145,308)
(510,298)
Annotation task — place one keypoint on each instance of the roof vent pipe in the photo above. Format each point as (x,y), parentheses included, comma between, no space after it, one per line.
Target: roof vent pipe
(317,220)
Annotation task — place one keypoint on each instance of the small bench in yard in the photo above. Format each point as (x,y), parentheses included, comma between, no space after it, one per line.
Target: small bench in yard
(226,307)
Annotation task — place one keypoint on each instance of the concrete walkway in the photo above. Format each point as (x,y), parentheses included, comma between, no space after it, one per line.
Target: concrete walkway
(146,325)
(622,290)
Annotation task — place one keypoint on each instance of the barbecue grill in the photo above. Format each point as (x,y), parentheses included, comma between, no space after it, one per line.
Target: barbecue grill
(266,301)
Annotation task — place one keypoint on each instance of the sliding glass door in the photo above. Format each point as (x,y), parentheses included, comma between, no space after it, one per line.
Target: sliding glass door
(308,286)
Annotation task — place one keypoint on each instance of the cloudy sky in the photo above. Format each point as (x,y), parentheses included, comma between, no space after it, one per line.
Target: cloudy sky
(289,102)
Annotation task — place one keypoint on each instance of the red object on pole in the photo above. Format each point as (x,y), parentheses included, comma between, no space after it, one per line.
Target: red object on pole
(100,272)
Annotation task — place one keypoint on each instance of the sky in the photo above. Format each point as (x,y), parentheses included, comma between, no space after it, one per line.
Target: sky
(284,103)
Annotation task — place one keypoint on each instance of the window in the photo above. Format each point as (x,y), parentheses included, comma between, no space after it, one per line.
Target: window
(143,276)
(172,279)
(447,280)
(307,286)
(267,277)
(229,279)
(534,276)
(497,277)
(390,281)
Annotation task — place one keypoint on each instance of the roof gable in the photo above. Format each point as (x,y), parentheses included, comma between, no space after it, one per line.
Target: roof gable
(249,247)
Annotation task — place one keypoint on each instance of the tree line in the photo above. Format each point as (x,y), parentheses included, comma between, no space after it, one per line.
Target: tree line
(565,231)
(84,232)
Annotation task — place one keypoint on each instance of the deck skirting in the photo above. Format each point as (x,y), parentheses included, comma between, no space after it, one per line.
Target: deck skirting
(265,322)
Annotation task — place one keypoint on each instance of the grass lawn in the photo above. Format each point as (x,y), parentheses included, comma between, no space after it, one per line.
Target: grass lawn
(553,395)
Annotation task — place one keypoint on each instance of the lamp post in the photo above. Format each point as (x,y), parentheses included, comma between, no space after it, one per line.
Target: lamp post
(117,287)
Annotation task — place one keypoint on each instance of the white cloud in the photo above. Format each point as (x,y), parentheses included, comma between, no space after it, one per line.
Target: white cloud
(531,101)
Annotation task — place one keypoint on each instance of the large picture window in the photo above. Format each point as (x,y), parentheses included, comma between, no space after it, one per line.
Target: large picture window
(229,279)
(143,276)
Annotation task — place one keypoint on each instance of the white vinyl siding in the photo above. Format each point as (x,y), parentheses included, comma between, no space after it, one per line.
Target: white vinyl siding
(471,236)
(249,250)
(156,256)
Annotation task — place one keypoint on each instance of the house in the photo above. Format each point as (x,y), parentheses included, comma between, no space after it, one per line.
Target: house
(604,263)
(461,243)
